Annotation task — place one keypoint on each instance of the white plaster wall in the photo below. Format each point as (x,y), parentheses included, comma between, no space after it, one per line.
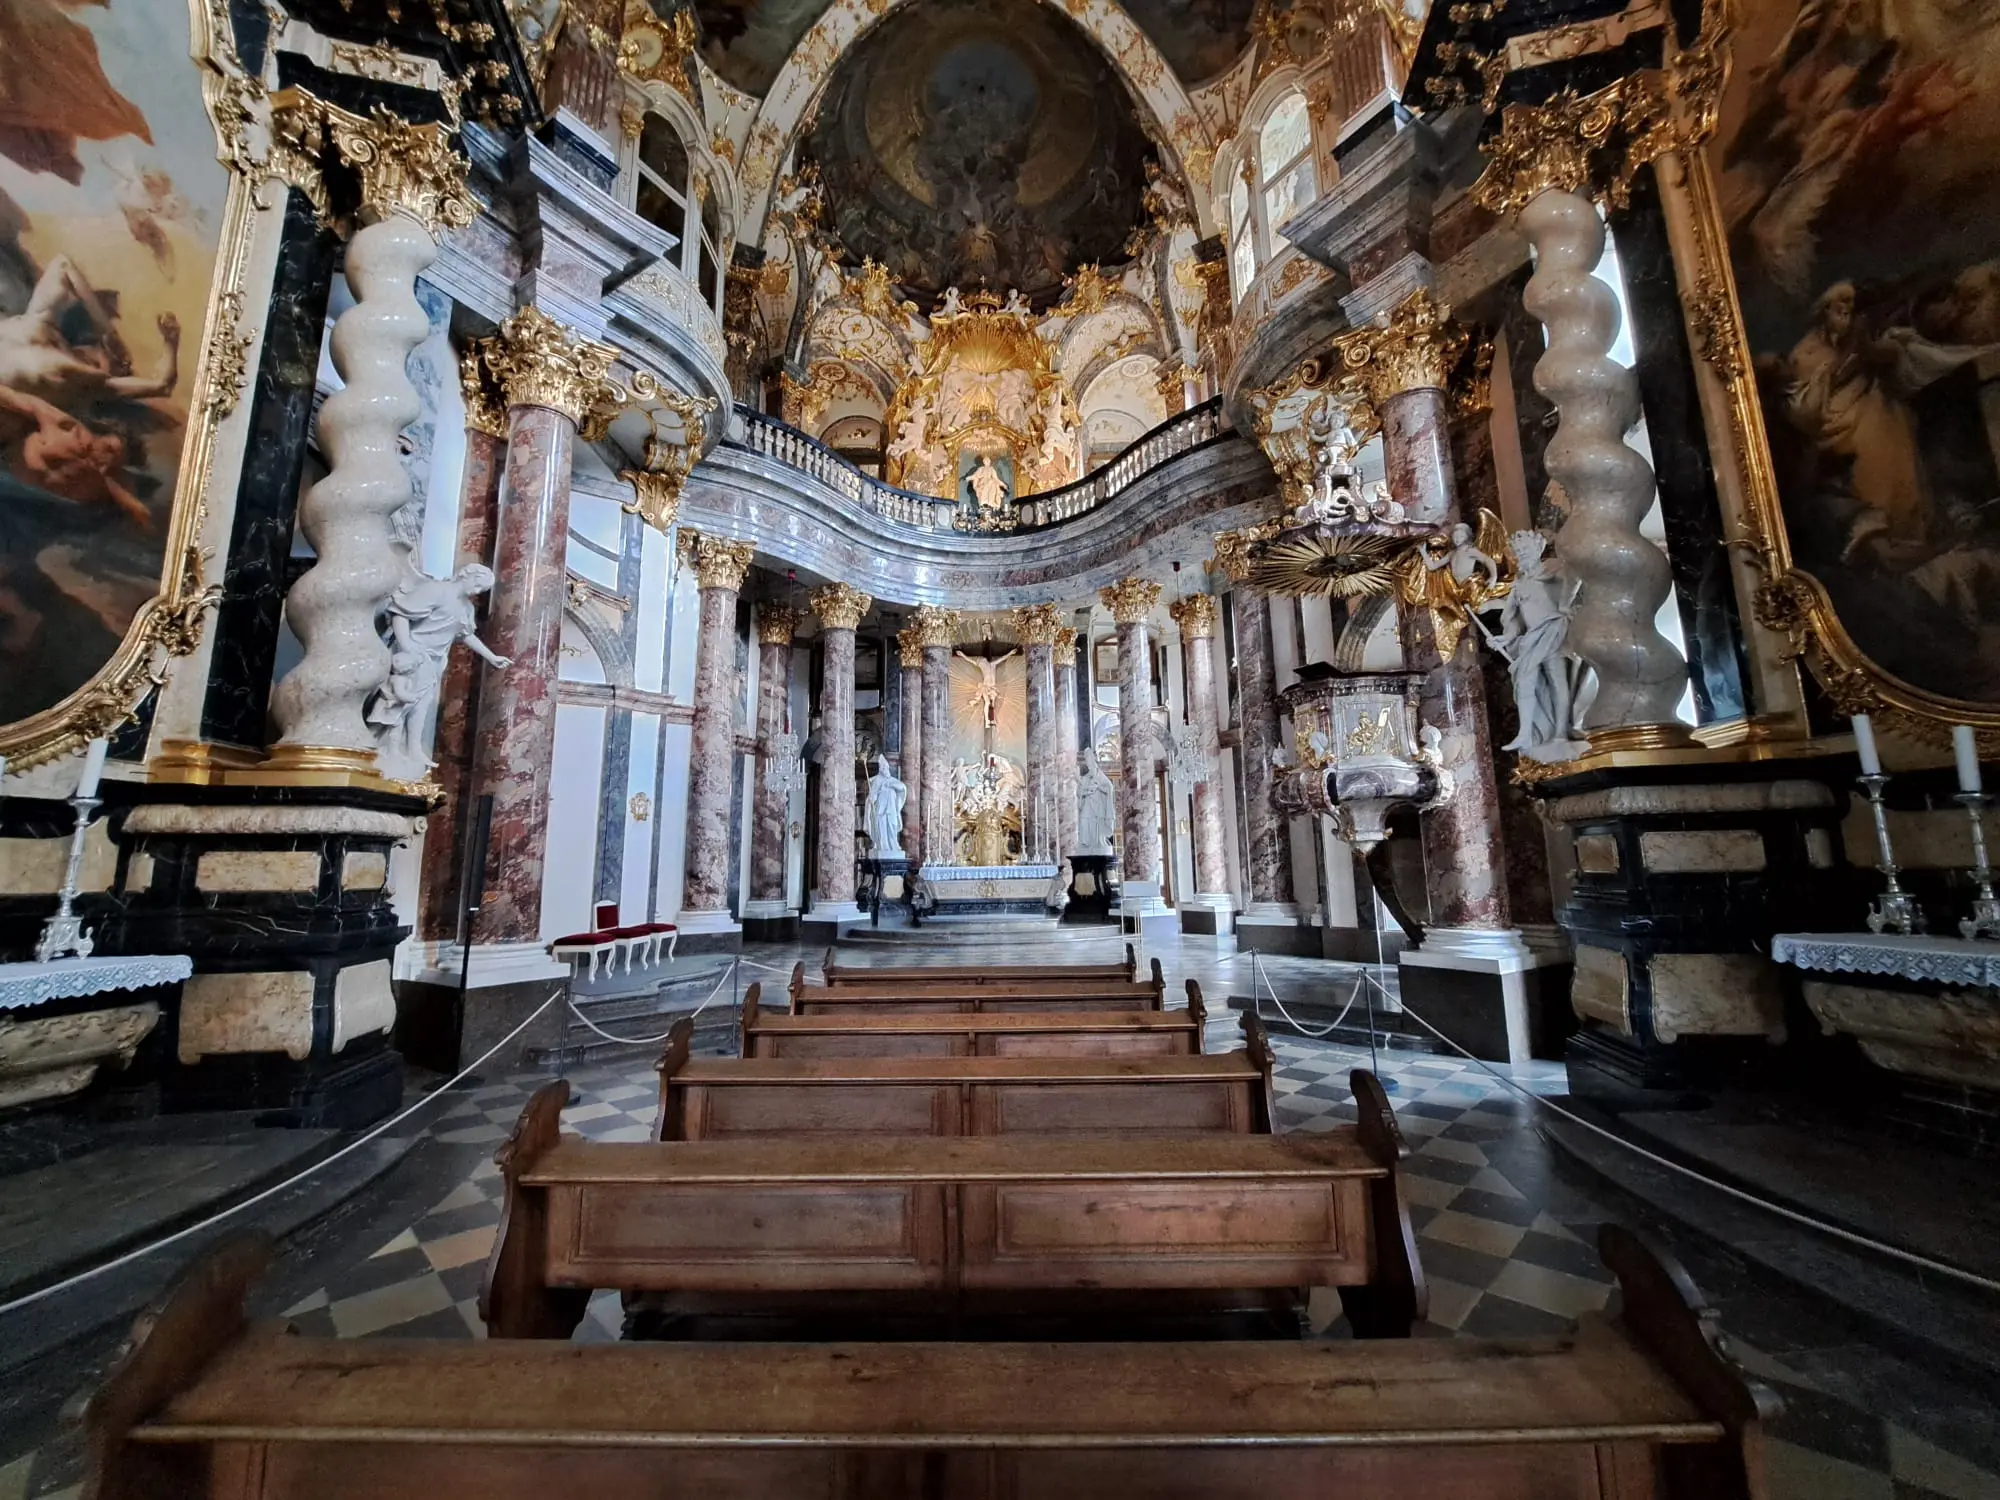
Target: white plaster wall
(671,848)
(570,863)
(636,881)
(649,651)
(1319,631)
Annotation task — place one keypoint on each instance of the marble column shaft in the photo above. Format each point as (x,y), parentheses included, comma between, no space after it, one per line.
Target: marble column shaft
(1268,854)
(940,826)
(718,690)
(911,769)
(1197,615)
(517,707)
(771,808)
(444,836)
(836,771)
(1139,787)
(1416,451)
(1067,774)
(1038,832)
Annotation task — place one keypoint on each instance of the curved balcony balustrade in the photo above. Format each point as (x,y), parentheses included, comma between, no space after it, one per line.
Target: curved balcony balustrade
(1164,497)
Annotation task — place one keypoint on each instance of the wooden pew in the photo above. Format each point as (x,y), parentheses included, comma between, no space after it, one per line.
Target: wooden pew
(1050,1033)
(944,1216)
(948,992)
(1643,1407)
(703,1098)
(835,975)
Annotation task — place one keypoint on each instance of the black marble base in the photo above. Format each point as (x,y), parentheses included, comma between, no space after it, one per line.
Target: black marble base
(770,929)
(712,942)
(1470,1007)
(1202,921)
(1098,905)
(346,1092)
(1618,1074)
(1288,939)
(1955,1117)
(435,1029)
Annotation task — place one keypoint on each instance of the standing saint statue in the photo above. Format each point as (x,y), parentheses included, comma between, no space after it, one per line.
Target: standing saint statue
(989,488)
(1096,808)
(1534,629)
(427,617)
(886,798)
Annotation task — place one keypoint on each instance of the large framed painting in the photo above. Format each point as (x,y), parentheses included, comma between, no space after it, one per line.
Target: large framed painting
(1848,197)
(120,251)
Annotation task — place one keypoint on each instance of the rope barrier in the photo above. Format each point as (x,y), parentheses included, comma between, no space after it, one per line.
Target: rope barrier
(1834,1231)
(131,1256)
(1257,972)
(653,1041)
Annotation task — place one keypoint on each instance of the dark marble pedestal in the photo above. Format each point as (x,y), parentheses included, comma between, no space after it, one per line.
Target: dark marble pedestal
(885,883)
(1093,891)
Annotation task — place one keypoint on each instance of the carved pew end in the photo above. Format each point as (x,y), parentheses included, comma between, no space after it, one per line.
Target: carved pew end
(1396,1297)
(515,1300)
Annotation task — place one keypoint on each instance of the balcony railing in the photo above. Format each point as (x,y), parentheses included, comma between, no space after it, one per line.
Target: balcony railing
(1173,438)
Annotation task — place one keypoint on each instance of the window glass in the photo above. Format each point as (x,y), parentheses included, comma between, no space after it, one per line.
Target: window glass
(1244,260)
(1283,198)
(662,154)
(1287,135)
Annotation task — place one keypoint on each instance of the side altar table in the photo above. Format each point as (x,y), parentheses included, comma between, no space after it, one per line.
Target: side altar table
(1924,1008)
(57,1026)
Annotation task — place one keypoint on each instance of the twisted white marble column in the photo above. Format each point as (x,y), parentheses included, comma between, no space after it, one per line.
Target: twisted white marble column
(332,609)
(1625,577)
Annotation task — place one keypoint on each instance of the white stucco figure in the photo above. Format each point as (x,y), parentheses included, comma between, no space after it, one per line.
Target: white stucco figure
(886,798)
(427,617)
(989,488)
(1096,806)
(1534,628)
(987,694)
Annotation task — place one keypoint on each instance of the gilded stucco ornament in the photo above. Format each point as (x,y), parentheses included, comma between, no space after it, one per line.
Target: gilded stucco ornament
(1415,347)
(228,356)
(1196,615)
(776,625)
(414,170)
(1037,625)
(909,648)
(485,401)
(1064,645)
(934,626)
(718,562)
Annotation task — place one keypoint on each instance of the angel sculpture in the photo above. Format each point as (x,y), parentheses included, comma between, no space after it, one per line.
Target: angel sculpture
(1455,575)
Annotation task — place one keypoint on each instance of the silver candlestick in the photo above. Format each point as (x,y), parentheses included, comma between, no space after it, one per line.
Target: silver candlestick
(63,935)
(1985,919)
(1895,910)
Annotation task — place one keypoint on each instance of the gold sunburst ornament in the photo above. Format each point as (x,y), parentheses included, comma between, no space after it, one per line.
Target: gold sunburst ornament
(1334,564)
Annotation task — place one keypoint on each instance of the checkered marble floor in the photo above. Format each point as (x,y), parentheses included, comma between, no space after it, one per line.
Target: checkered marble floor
(1506,1246)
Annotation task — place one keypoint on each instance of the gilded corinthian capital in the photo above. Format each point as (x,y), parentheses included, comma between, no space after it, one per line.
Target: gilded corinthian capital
(776,625)
(1196,616)
(413,170)
(538,362)
(1065,647)
(1414,349)
(1130,600)
(838,606)
(718,563)
(1037,625)
(910,648)
(934,626)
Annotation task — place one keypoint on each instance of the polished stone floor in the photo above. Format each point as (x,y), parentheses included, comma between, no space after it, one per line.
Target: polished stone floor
(1505,1242)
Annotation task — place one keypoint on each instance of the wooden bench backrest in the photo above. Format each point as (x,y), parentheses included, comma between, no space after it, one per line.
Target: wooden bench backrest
(963,1095)
(937,1216)
(1644,1408)
(952,989)
(1006,1033)
(834,974)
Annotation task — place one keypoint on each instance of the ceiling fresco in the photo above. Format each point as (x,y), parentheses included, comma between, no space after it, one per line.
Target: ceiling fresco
(747,41)
(979,143)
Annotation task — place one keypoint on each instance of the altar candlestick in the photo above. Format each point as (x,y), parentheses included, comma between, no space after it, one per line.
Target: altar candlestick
(1965,744)
(93,768)
(1864,745)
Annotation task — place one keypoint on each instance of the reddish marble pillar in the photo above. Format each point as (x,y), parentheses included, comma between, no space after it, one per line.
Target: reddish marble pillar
(719,567)
(1131,602)
(911,769)
(1037,628)
(840,609)
(1416,450)
(1268,855)
(517,707)
(770,807)
(1196,615)
(444,837)
(1063,662)
(936,631)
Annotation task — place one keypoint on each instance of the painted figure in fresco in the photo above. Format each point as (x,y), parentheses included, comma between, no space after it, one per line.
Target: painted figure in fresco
(427,617)
(57,453)
(38,359)
(53,91)
(887,797)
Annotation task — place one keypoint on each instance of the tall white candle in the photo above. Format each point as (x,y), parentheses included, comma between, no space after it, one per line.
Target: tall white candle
(93,768)
(1864,744)
(1965,745)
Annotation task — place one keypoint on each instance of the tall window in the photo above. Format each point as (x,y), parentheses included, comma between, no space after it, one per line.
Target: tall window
(1242,237)
(1284,161)
(711,261)
(663,178)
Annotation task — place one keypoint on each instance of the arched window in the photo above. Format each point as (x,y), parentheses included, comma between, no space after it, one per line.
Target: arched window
(711,239)
(1284,164)
(1242,237)
(663,178)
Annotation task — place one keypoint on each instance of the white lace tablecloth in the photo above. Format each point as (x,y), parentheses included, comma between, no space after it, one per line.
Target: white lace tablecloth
(73,978)
(941,873)
(1938,960)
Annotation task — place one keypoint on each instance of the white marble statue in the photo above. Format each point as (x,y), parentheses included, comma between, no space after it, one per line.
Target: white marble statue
(1096,806)
(1056,900)
(886,798)
(913,432)
(989,488)
(427,617)
(1534,628)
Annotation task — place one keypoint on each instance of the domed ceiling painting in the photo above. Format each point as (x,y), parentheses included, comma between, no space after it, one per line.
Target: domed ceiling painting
(979,143)
(747,41)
